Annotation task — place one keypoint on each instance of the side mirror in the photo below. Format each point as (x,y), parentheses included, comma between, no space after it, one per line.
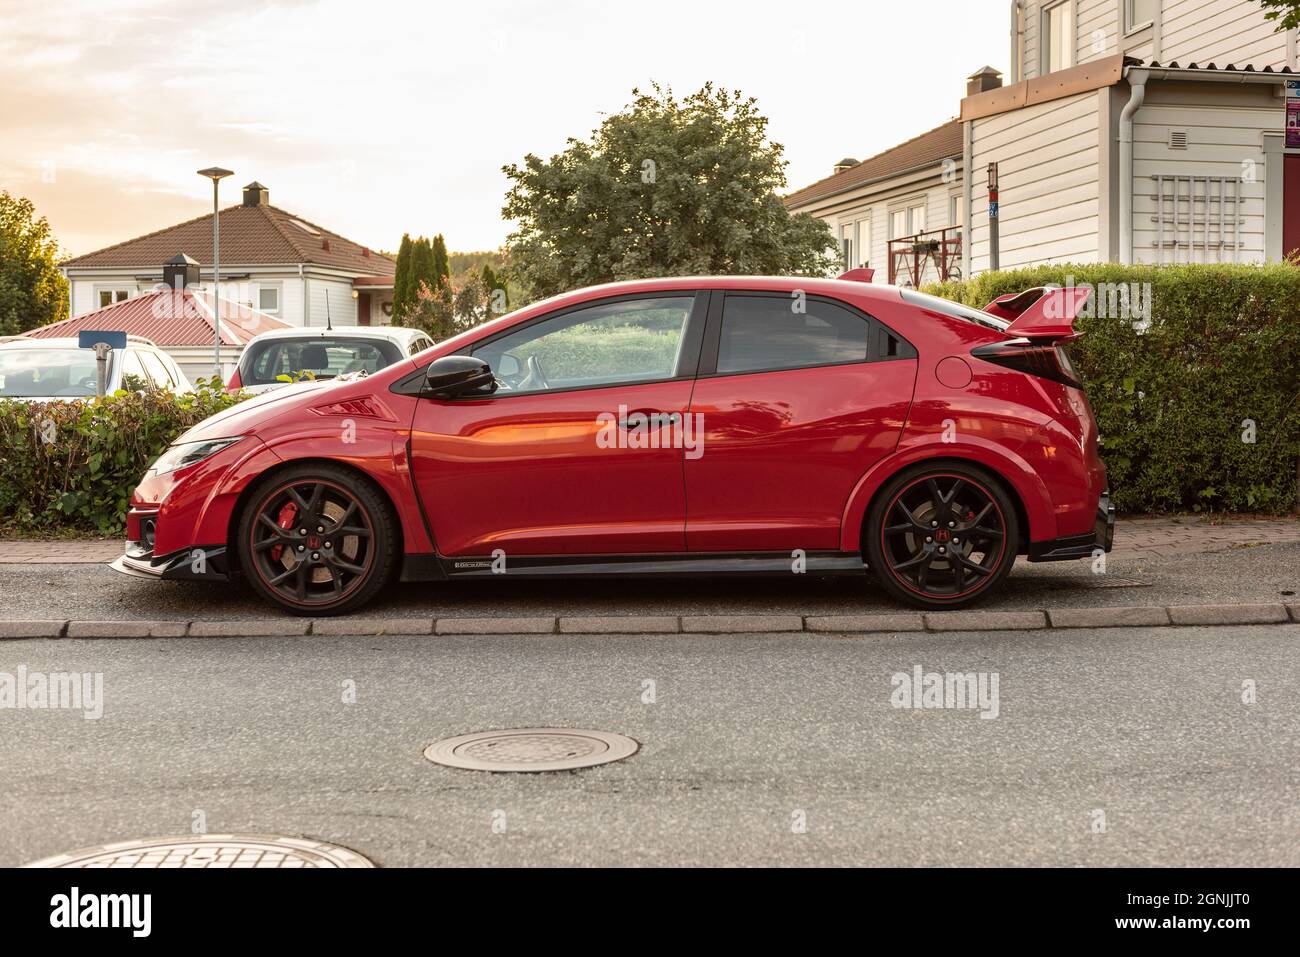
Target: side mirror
(453,377)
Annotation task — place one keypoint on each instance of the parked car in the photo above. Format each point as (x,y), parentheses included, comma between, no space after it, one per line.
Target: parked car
(324,353)
(698,425)
(56,368)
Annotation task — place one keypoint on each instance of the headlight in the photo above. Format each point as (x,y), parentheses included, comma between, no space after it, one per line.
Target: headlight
(188,453)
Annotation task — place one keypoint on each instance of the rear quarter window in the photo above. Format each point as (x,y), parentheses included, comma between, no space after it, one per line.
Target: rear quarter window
(763,333)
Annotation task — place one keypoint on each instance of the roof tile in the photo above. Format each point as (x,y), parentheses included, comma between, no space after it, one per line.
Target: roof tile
(261,235)
(935,146)
(169,317)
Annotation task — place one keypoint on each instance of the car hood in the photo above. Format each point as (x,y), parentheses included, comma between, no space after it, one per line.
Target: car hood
(246,417)
(249,416)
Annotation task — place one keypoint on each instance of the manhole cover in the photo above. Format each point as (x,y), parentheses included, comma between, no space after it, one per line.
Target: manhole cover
(210,850)
(530,749)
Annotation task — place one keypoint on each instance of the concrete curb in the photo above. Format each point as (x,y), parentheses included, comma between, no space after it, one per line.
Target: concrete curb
(1057,619)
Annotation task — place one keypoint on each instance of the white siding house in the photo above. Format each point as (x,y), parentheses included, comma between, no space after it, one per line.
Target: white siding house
(1131,131)
(913,189)
(1048,161)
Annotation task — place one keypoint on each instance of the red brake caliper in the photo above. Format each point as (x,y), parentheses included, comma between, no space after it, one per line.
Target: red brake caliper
(285,521)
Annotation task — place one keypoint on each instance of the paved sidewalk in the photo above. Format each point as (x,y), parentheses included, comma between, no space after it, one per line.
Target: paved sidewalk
(1141,537)
(1144,537)
(62,552)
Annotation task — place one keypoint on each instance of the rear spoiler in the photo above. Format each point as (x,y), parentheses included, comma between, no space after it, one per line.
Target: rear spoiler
(1041,313)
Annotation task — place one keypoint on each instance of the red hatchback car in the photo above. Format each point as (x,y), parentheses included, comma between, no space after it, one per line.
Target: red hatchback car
(710,425)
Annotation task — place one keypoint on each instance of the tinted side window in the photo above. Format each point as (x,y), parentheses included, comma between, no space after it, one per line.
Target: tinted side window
(635,340)
(765,333)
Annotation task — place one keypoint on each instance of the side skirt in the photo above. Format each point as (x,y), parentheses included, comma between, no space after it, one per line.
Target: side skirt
(439,568)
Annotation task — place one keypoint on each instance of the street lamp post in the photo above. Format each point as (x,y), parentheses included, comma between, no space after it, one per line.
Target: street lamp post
(216,174)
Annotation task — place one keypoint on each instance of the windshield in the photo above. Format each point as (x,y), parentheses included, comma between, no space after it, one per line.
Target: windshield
(322,356)
(954,309)
(41,373)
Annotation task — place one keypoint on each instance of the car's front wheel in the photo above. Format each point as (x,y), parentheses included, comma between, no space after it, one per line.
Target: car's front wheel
(316,539)
(941,536)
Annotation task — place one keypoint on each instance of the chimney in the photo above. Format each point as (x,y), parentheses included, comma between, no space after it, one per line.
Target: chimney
(255,194)
(181,271)
(981,81)
(847,163)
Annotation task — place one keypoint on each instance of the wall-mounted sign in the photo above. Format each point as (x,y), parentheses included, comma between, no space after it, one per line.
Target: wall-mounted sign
(1293,114)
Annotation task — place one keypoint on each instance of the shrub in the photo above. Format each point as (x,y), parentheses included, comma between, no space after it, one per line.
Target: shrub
(73,465)
(1175,398)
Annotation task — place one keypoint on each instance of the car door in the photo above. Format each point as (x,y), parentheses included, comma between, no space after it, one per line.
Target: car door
(797,397)
(575,454)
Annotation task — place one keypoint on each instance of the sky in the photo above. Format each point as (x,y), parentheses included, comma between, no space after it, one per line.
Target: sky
(378,118)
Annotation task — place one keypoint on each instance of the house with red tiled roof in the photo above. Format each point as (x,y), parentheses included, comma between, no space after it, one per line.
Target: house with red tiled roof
(272,261)
(179,317)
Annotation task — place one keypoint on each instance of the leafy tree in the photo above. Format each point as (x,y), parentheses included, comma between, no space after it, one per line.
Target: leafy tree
(448,309)
(441,261)
(402,279)
(32,290)
(666,187)
(425,268)
(497,291)
(1285,11)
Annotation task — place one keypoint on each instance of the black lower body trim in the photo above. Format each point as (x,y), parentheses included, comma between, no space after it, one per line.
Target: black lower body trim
(439,567)
(1072,547)
(202,563)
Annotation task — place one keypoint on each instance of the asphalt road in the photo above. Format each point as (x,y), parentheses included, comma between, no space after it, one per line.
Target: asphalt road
(1145,727)
(1260,573)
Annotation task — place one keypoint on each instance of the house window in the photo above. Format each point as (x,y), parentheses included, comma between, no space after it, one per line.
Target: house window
(1058,37)
(855,242)
(108,295)
(916,219)
(955,210)
(1138,14)
(907,221)
(268,299)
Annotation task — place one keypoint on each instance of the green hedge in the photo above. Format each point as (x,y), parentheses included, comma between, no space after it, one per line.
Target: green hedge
(71,466)
(1222,346)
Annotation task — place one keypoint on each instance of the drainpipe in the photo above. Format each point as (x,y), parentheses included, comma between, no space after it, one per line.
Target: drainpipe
(1017,38)
(1137,81)
(967,191)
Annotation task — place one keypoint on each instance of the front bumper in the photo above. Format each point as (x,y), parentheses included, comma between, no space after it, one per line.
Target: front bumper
(204,563)
(1101,537)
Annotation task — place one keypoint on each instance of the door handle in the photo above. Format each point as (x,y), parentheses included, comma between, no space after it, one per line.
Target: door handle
(651,415)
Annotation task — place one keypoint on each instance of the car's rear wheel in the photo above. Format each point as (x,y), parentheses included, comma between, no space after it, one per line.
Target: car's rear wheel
(316,539)
(941,536)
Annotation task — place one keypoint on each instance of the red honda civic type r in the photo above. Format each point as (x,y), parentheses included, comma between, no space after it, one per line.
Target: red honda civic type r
(711,425)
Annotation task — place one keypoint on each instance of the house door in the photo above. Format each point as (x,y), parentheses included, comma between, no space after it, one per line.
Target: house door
(363,309)
(1290,203)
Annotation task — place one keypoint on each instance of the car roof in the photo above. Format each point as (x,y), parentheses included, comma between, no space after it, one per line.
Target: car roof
(391,333)
(67,342)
